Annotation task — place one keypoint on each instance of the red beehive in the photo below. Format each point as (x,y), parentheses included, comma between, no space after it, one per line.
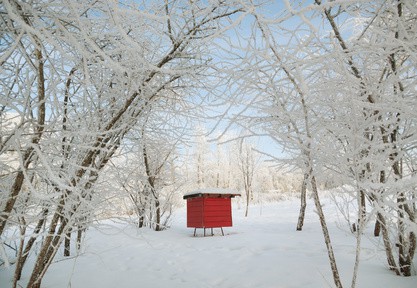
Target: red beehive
(209,208)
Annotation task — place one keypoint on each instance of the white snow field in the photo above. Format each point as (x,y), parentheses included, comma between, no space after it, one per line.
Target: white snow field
(262,250)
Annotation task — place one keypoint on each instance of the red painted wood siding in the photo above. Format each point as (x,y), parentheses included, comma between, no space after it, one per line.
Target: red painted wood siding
(195,209)
(206,212)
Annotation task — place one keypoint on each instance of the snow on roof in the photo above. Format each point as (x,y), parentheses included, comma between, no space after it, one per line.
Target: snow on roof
(221,191)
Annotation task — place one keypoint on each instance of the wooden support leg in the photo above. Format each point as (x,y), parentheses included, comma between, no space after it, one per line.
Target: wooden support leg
(222,230)
(204,232)
(195,229)
(212,232)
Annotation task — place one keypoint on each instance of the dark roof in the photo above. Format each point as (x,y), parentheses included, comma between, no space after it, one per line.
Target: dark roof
(211,191)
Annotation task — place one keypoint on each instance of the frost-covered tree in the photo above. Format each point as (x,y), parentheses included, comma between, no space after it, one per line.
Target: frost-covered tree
(77,76)
(332,84)
(375,138)
(247,161)
(146,173)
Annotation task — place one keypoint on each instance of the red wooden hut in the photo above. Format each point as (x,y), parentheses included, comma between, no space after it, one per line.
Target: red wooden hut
(209,208)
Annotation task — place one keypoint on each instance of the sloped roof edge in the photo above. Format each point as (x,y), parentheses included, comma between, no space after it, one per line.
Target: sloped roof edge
(216,191)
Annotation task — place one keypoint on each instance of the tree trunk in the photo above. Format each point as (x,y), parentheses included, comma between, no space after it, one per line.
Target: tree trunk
(387,244)
(49,246)
(141,221)
(357,256)
(247,207)
(19,261)
(406,240)
(247,192)
(377,228)
(158,215)
(361,227)
(303,206)
(45,256)
(79,238)
(17,186)
(326,234)
(67,244)
(362,210)
(29,245)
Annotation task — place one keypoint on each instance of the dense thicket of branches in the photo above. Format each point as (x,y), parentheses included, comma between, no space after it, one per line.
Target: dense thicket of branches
(76,77)
(337,91)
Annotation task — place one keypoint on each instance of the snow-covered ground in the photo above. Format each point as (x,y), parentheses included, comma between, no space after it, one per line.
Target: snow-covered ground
(262,250)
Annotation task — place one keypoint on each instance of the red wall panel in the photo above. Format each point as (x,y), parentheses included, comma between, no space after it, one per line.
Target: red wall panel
(207,212)
(195,208)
